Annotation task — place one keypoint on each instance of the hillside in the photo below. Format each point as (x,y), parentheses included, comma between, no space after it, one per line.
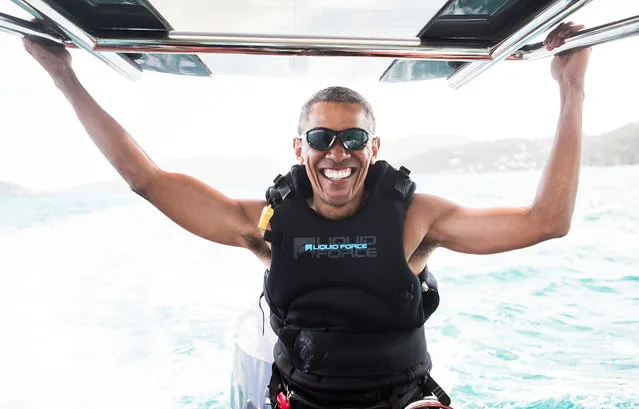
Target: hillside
(618,147)
(419,153)
(11,189)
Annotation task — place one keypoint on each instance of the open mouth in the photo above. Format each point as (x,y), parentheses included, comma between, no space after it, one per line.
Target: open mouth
(337,174)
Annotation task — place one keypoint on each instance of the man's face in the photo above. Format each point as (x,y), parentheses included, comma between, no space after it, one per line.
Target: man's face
(337,175)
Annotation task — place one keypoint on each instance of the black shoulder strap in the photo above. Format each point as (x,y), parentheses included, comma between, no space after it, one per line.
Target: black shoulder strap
(384,177)
(404,184)
(294,181)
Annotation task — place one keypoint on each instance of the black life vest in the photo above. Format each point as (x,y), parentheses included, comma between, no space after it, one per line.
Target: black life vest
(348,311)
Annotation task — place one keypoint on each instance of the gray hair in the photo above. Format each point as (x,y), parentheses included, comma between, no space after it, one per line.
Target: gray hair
(336,94)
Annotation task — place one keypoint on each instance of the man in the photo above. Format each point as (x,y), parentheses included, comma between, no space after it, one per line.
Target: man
(344,237)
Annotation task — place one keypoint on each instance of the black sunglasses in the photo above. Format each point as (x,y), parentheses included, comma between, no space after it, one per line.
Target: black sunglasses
(323,138)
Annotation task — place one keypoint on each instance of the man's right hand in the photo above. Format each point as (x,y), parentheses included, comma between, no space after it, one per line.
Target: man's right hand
(54,58)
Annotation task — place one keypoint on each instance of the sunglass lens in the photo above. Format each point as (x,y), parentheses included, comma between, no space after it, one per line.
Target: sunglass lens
(354,139)
(319,139)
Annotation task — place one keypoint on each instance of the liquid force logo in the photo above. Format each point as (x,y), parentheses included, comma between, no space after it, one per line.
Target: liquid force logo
(334,247)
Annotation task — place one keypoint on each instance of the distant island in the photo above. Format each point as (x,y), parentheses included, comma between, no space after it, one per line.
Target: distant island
(618,147)
(430,154)
(11,189)
(419,153)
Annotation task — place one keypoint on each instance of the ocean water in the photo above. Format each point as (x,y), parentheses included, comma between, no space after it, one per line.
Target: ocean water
(105,303)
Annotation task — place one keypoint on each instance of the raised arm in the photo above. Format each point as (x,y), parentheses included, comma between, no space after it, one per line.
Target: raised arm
(192,204)
(549,216)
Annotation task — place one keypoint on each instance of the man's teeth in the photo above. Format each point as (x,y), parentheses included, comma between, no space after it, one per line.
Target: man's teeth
(337,174)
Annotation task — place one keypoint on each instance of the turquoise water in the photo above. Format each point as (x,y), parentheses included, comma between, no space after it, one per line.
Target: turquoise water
(104,303)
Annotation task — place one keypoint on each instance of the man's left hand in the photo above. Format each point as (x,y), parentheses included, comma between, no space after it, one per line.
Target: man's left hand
(568,68)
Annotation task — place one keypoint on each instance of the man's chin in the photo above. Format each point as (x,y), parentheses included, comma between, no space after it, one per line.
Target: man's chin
(338,199)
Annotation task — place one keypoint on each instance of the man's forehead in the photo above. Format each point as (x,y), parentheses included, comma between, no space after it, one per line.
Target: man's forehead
(337,116)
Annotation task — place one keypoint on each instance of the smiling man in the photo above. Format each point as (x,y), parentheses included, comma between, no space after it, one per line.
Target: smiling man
(345,238)
(336,161)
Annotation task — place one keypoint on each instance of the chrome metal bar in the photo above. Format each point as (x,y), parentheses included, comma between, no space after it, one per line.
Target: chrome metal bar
(83,40)
(15,25)
(78,35)
(300,46)
(24,6)
(544,20)
(585,38)
(291,41)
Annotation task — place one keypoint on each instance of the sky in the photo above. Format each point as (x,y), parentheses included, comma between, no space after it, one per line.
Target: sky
(43,146)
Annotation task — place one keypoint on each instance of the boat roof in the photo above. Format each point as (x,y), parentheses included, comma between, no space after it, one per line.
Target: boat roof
(380,40)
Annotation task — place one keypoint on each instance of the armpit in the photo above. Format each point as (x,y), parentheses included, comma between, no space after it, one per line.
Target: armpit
(257,245)
(421,254)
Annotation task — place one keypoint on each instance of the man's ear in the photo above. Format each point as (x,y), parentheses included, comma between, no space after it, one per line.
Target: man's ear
(297,148)
(375,144)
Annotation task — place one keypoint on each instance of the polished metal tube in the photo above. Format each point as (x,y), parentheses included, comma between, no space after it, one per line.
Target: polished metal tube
(544,20)
(585,38)
(15,25)
(85,41)
(285,41)
(193,43)
(78,35)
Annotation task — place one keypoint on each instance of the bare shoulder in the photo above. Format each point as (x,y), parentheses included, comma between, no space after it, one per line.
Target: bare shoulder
(428,208)
(422,213)
(252,208)
(252,211)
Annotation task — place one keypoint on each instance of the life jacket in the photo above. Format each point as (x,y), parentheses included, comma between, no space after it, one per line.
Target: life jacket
(348,311)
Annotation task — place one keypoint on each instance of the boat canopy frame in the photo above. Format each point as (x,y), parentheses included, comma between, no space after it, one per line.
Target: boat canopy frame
(129,52)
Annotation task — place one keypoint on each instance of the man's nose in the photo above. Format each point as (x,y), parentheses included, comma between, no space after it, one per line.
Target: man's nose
(338,152)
